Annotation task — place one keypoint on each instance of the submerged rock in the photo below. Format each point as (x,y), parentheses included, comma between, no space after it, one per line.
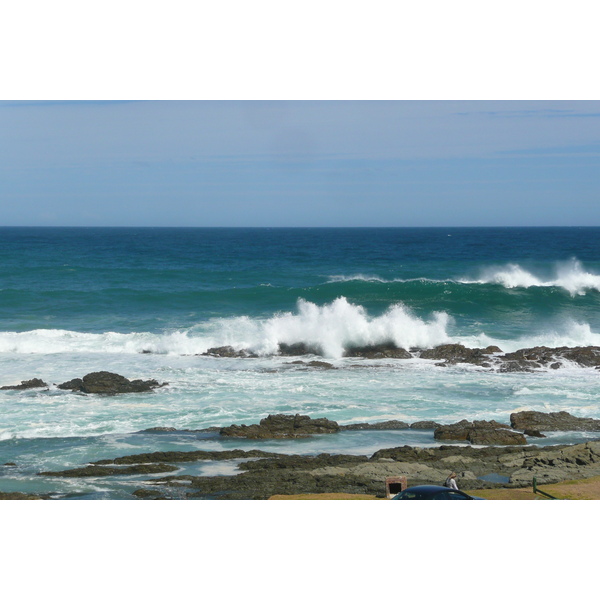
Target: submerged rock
(103,382)
(26,385)
(557,421)
(282,426)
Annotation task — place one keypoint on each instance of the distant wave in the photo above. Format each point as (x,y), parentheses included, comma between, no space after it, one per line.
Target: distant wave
(570,276)
(332,327)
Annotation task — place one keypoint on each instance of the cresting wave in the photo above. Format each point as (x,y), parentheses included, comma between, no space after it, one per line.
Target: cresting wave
(332,327)
(570,276)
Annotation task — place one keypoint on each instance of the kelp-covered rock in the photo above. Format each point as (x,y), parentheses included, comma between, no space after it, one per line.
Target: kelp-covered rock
(556,421)
(26,385)
(104,382)
(282,426)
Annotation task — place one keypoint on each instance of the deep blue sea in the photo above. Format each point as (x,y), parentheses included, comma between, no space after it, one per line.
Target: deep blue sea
(147,302)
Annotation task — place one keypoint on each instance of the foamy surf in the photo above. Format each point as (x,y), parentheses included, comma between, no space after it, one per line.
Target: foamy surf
(332,328)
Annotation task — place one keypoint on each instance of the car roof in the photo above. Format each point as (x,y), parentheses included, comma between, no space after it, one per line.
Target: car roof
(426,488)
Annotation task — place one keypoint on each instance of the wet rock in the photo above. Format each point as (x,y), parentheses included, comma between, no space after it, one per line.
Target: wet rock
(385,425)
(518,366)
(175,456)
(533,433)
(228,352)
(26,385)
(425,425)
(282,426)
(19,496)
(101,471)
(313,364)
(159,430)
(557,421)
(457,353)
(375,351)
(298,349)
(145,494)
(103,382)
(479,433)
(73,384)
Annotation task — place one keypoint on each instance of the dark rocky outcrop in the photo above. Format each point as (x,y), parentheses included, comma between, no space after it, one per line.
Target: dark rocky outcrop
(26,385)
(19,496)
(282,426)
(385,425)
(313,364)
(480,433)
(174,456)
(101,471)
(375,351)
(298,349)
(557,421)
(425,425)
(228,352)
(103,382)
(457,353)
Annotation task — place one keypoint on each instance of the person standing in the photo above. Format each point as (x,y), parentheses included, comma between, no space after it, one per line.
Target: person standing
(451,481)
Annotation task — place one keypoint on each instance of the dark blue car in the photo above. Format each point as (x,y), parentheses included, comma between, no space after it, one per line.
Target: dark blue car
(433,492)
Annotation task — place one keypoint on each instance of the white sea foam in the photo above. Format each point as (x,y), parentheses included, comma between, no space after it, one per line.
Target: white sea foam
(570,276)
(332,328)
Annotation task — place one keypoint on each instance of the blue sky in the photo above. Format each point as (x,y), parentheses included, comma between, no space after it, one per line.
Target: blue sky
(300,163)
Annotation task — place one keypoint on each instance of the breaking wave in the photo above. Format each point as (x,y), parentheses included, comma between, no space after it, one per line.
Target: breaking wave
(332,328)
(570,276)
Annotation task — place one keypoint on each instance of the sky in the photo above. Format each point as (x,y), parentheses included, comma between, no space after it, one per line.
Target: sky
(300,163)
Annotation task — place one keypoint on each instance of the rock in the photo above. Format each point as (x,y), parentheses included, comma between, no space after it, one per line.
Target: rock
(298,349)
(103,382)
(479,433)
(557,421)
(385,425)
(159,430)
(588,356)
(19,496)
(282,426)
(26,385)
(228,352)
(319,364)
(456,353)
(518,366)
(102,471)
(425,425)
(388,350)
(533,433)
(10,464)
(73,384)
(144,494)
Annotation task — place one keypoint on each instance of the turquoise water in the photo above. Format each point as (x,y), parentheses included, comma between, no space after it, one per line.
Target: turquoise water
(146,302)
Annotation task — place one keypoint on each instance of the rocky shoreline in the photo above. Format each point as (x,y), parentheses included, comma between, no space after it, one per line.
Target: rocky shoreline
(492,357)
(264,474)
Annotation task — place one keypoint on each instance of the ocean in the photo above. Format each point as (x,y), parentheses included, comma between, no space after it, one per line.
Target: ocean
(146,303)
